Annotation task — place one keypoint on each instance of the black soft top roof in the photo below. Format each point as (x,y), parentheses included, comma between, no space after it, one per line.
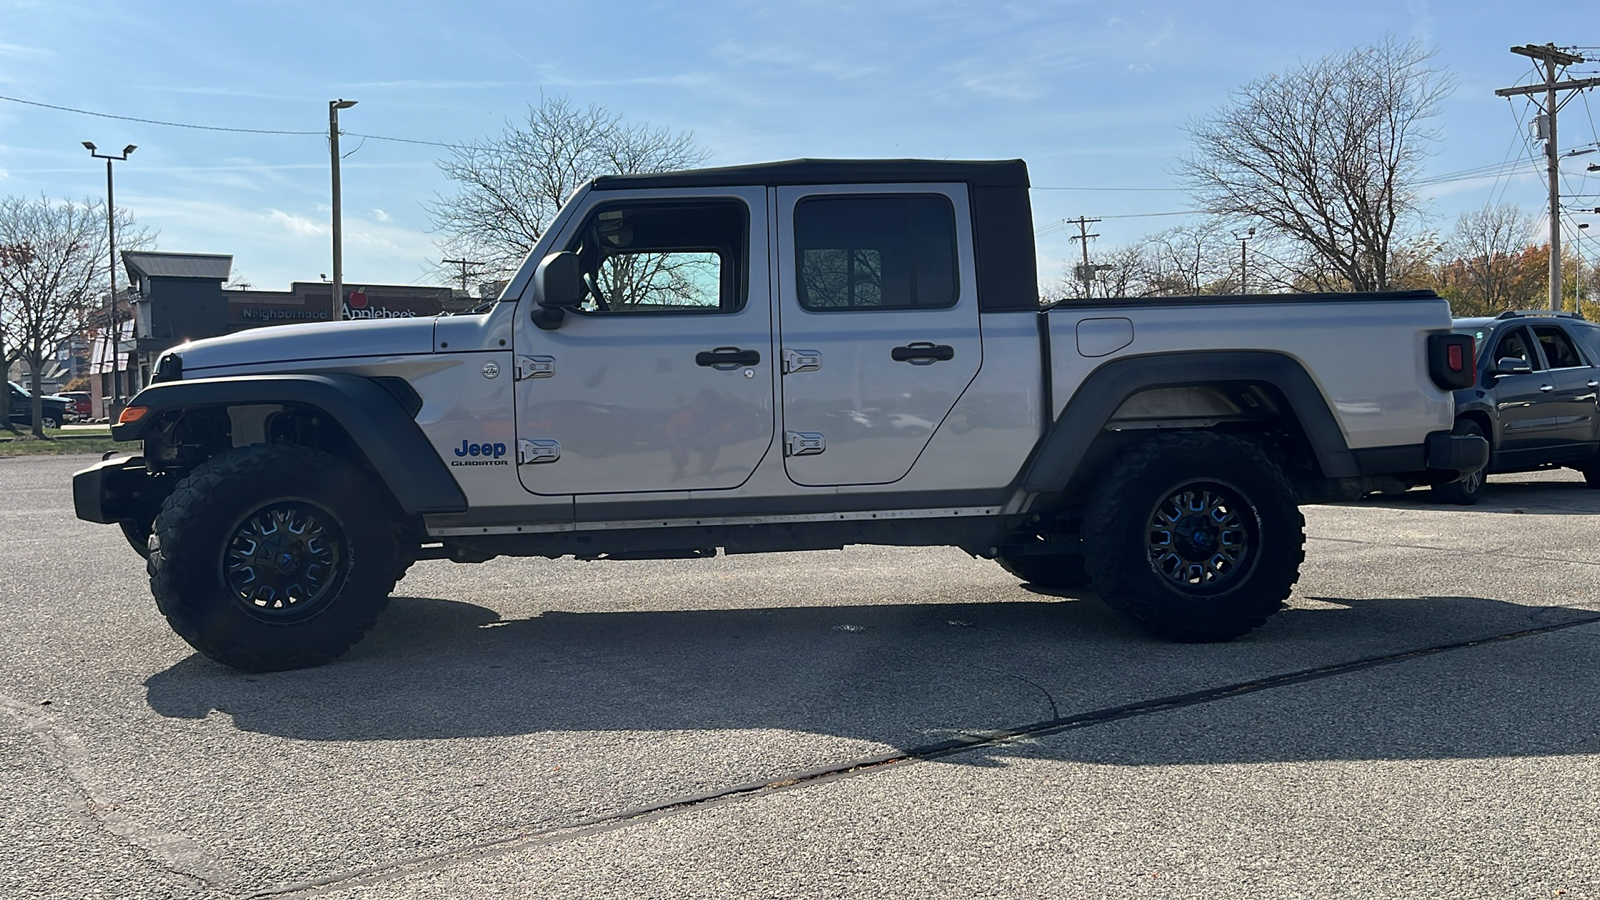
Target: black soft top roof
(981,173)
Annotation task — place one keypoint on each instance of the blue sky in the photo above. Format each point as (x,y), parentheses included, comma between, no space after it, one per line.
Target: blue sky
(1092,94)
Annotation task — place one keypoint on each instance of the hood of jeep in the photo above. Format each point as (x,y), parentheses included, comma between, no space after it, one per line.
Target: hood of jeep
(312,342)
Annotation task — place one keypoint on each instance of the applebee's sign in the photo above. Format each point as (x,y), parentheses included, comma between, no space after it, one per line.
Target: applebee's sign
(357,306)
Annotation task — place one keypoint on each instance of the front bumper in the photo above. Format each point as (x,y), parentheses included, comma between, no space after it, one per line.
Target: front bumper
(117,489)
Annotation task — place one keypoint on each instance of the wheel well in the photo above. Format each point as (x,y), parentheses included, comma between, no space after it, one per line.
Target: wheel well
(1256,409)
(1482,419)
(186,438)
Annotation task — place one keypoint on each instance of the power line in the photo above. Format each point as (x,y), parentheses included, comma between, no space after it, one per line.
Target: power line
(85,112)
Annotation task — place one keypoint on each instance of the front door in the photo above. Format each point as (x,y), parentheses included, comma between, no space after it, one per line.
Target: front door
(878,318)
(663,380)
(1521,401)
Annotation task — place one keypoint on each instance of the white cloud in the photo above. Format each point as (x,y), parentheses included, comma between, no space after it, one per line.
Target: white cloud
(297,225)
(380,215)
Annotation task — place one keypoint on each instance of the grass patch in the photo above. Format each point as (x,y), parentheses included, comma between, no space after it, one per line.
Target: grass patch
(60,442)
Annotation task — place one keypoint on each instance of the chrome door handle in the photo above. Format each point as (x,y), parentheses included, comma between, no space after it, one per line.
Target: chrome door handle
(1594,384)
(1546,388)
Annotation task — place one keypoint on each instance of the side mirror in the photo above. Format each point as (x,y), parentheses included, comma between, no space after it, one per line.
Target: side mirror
(559,287)
(558,281)
(1511,365)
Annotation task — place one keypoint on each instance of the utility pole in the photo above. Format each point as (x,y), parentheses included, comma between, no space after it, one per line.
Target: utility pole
(1085,272)
(338,239)
(463,263)
(1552,57)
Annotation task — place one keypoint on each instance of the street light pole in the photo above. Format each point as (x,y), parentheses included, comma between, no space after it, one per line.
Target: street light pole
(338,246)
(1243,239)
(111,243)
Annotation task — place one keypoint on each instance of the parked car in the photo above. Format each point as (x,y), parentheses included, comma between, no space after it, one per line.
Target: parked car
(82,405)
(899,384)
(1535,398)
(53,410)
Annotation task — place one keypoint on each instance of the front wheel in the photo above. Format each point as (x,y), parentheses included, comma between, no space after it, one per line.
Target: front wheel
(273,557)
(1469,489)
(1195,537)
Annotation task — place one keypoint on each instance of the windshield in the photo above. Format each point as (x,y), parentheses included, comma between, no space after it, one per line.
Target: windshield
(1479,335)
(19,389)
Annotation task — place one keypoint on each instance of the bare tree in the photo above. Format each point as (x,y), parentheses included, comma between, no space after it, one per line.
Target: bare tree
(1328,155)
(1482,265)
(56,266)
(512,185)
(1195,258)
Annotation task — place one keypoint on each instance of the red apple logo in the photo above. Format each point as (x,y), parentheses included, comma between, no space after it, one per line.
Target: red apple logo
(357,299)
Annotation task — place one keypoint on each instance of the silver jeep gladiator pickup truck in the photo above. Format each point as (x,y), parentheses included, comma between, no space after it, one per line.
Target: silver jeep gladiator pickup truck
(788,356)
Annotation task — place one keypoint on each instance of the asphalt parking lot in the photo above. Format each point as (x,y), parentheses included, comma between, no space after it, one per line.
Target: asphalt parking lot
(876,722)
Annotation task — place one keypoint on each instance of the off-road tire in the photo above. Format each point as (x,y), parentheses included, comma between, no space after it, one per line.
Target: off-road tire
(1054,571)
(222,507)
(1468,490)
(1136,557)
(48,421)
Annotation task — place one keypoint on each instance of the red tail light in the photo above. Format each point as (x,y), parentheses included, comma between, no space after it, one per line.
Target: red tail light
(1451,360)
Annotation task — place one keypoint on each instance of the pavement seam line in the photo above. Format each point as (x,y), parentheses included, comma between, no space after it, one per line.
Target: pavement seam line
(641,814)
(1492,551)
(172,852)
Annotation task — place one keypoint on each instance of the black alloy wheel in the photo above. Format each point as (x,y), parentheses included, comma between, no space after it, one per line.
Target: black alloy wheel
(1201,538)
(284,560)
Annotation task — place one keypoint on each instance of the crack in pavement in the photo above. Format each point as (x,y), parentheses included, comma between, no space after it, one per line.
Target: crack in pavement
(1055,711)
(172,852)
(1000,737)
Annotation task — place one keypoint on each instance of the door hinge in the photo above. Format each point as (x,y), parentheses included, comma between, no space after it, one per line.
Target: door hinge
(535,367)
(801,361)
(803,443)
(538,450)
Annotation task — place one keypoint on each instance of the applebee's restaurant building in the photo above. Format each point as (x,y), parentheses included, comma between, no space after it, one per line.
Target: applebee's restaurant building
(180,297)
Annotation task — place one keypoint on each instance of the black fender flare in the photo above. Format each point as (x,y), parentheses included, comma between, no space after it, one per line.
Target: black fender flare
(1106,388)
(373,417)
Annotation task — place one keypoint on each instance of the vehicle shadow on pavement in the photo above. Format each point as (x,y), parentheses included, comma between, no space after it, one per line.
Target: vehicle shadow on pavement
(911,676)
(1563,498)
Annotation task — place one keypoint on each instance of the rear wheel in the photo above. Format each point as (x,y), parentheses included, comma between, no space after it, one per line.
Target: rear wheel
(1469,489)
(1195,537)
(273,557)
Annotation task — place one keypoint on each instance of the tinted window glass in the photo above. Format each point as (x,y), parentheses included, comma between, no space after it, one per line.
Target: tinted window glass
(876,253)
(1514,344)
(663,258)
(1558,349)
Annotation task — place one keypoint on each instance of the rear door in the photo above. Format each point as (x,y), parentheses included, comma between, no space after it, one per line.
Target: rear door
(878,319)
(1571,399)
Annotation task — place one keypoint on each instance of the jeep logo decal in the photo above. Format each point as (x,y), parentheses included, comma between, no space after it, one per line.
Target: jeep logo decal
(489,454)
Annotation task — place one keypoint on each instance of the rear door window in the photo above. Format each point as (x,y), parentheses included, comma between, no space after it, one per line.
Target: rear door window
(876,253)
(1558,348)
